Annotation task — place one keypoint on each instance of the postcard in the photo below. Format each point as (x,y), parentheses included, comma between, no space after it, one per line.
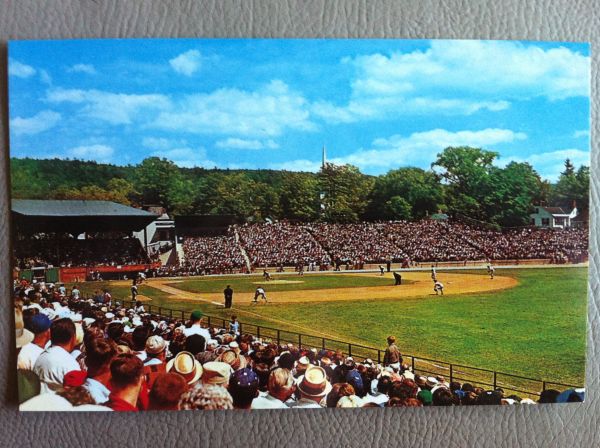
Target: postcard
(298,223)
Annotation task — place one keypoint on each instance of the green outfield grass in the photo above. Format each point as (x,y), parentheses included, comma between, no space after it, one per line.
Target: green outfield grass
(246,284)
(537,329)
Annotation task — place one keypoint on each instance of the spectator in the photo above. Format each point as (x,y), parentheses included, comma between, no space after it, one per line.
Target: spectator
(99,355)
(125,382)
(154,365)
(392,356)
(280,388)
(243,387)
(39,325)
(166,392)
(55,361)
(196,326)
(206,396)
(187,366)
(313,386)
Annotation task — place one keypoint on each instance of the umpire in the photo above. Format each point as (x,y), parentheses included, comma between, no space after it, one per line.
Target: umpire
(398,279)
(228,293)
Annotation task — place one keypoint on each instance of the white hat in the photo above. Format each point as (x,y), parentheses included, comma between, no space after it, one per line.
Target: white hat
(89,321)
(409,375)
(109,315)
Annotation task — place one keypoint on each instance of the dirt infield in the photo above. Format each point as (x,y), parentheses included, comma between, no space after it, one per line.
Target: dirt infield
(422,286)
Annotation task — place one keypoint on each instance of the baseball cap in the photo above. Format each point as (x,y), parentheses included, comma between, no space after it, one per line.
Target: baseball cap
(425,396)
(243,378)
(196,315)
(39,323)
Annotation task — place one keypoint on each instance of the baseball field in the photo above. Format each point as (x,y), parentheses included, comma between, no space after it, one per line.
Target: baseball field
(525,321)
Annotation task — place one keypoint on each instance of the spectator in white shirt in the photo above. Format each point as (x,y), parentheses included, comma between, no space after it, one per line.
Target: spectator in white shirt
(196,327)
(54,362)
(39,325)
(281,387)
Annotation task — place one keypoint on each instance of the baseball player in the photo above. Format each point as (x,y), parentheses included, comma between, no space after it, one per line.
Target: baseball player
(381,270)
(398,279)
(266,275)
(438,288)
(260,292)
(433,273)
(491,270)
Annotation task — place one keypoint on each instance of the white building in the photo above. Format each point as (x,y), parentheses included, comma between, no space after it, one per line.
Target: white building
(159,233)
(552,217)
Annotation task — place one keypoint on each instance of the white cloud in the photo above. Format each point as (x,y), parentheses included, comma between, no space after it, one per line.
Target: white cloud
(20,70)
(42,121)
(187,157)
(421,148)
(187,63)
(82,68)
(458,77)
(266,112)
(98,153)
(550,164)
(114,108)
(238,143)
(581,133)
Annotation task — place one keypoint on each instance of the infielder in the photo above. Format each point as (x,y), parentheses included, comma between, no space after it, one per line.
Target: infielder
(398,279)
(433,273)
(491,270)
(260,292)
(266,275)
(438,288)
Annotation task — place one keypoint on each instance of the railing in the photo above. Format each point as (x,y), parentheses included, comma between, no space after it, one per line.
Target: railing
(419,365)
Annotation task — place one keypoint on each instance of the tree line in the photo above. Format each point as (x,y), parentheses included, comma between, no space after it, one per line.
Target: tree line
(462,180)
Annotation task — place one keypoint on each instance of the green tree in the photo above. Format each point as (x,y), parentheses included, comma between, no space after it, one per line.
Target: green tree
(398,208)
(156,179)
(466,172)
(573,186)
(515,189)
(237,195)
(299,197)
(421,189)
(345,192)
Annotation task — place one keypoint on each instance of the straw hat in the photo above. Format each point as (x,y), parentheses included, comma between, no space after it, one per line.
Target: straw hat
(187,366)
(314,382)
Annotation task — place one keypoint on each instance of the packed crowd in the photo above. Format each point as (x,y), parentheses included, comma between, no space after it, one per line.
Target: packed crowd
(281,243)
(78,354)
(319,246)
(212,255)
(67,252)
(357,243)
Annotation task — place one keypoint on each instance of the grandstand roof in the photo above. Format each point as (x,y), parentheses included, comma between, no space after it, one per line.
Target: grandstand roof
(76,216)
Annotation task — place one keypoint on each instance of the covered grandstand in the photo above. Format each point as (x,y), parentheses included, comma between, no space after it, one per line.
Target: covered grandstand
(71,239)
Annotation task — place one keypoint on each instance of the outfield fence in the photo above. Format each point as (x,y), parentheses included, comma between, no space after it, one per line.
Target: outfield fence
(511,384)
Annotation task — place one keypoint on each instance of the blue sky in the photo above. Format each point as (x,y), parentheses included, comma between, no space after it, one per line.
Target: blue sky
(235,103)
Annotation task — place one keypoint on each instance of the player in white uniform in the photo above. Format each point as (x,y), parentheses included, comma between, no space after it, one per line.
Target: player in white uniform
(491,270)
(438,287)
(433,273)
(260,292)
